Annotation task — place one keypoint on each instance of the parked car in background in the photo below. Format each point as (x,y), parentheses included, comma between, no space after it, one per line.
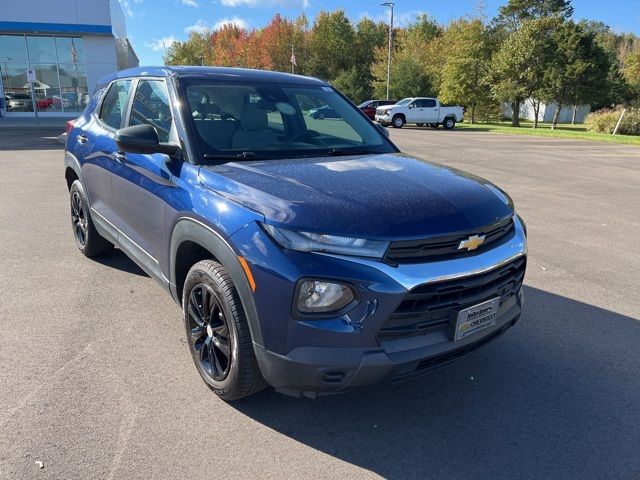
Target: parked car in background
(305,260)
(323,112)
(18,102)
(421,111)
(369,107)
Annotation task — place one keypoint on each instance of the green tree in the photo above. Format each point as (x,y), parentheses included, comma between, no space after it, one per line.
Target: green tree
(465,78)
(331,45)
(579,71)
(353,84)
(189,52)
(520,64)
(516,12)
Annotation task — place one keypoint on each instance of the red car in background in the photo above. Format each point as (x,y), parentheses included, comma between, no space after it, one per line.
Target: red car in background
(369,107)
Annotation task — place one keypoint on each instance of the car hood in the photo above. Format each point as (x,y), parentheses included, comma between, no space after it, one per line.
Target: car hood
(385,108)
(385,196)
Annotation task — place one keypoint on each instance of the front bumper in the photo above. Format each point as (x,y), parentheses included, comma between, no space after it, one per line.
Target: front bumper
(384,119)
(302,356)
(309,371)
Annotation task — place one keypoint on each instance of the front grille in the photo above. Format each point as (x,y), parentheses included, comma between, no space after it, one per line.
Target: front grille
(434,305)
(415,251)
(433,363)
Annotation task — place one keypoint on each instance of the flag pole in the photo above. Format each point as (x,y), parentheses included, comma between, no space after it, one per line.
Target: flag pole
(293,58)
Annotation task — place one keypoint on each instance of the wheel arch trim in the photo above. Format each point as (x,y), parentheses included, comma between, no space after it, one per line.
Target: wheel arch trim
(187,229)
(71,161)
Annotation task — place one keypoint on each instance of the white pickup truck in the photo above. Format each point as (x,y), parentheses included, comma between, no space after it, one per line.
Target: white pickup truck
(421,111)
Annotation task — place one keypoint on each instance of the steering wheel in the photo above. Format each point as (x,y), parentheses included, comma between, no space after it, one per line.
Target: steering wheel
(309,136)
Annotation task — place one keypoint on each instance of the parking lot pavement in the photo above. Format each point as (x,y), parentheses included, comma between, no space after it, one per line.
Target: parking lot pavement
(96,380)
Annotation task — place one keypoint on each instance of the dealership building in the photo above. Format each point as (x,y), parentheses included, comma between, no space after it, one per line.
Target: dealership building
(68,44)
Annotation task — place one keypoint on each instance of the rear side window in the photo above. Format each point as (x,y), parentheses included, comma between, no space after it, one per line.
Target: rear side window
(115,103)
(430,102)
(151,106)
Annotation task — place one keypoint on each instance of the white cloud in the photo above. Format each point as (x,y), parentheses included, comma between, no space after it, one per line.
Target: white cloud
(236,21)
(129,9)
(160,44)
(266,3)
(199,27)
(190,3)
(400,19)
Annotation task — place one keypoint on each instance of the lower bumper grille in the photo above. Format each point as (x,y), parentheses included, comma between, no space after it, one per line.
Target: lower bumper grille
(434,305)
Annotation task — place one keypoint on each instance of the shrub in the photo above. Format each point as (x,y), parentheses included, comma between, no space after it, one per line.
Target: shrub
(604,121)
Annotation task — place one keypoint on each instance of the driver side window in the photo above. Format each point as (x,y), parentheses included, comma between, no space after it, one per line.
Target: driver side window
(151,106)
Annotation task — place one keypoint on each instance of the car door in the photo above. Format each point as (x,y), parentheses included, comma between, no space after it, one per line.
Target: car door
(431,111)
(143,183)
(415,112)
(96,149)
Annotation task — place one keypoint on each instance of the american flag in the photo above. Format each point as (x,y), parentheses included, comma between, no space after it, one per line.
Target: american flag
(293,59)
(74,52)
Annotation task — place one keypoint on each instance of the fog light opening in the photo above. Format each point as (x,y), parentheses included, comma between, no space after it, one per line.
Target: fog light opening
(319,296)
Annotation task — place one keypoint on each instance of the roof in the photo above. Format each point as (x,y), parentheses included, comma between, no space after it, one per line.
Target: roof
(215,73)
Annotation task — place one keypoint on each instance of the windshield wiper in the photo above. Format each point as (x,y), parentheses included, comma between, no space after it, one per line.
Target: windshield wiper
(339,152)
(230,156)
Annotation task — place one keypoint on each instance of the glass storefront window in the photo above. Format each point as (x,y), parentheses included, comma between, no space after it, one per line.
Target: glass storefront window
(47,88)
(73,83)
(17,94)
(70,50)
(61,77)
(12,48)
(41,50)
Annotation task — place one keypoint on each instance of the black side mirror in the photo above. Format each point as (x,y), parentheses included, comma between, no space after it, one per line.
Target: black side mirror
(143,139)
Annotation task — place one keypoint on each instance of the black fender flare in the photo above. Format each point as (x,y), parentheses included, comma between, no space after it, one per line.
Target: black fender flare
(190,229)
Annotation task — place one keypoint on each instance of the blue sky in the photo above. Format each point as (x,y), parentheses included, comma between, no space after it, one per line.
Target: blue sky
(153,23)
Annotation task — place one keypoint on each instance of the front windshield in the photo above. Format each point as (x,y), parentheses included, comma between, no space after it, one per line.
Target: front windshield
(404,101)
(268,120)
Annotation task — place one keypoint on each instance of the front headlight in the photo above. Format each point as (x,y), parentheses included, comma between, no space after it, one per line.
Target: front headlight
(316,242)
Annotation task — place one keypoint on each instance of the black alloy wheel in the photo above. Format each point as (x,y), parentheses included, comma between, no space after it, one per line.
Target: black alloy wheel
(78,219)
(209,332)
(87,238)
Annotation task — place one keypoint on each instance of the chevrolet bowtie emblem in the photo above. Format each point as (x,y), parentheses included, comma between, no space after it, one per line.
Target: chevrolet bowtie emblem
(471,243)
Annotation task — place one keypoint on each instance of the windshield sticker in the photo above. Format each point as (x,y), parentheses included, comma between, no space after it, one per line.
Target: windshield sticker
(285,108)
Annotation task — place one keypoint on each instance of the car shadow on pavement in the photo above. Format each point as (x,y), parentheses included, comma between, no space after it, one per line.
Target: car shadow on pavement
(119,260)
(557,397)
(30,139)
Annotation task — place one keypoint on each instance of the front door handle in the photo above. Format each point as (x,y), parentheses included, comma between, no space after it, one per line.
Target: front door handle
(82,138)
(120,157)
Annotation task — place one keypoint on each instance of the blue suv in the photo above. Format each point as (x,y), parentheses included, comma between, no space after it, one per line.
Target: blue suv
(310,255)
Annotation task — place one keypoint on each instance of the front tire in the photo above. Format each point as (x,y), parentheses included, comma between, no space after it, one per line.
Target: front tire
(398,121)
(218,333)
(87,238)
(320,116)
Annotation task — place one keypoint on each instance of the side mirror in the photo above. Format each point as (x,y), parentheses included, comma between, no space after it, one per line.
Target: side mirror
(411,105)
(143,139)
(383,129)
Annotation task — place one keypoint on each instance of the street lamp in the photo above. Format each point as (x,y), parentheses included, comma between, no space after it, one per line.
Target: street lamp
(390,5)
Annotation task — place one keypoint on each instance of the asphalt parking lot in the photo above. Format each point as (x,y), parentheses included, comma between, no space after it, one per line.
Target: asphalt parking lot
(96,380)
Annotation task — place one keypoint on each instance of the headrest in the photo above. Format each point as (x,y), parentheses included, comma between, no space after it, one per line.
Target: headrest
(253,118)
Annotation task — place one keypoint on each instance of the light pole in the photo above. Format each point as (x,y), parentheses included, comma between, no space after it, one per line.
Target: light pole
(390,5)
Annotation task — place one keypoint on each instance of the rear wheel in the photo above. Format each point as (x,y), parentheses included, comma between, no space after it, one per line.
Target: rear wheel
(88,240)
(320,116)
(398,121)
(218,333)
(449,123)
